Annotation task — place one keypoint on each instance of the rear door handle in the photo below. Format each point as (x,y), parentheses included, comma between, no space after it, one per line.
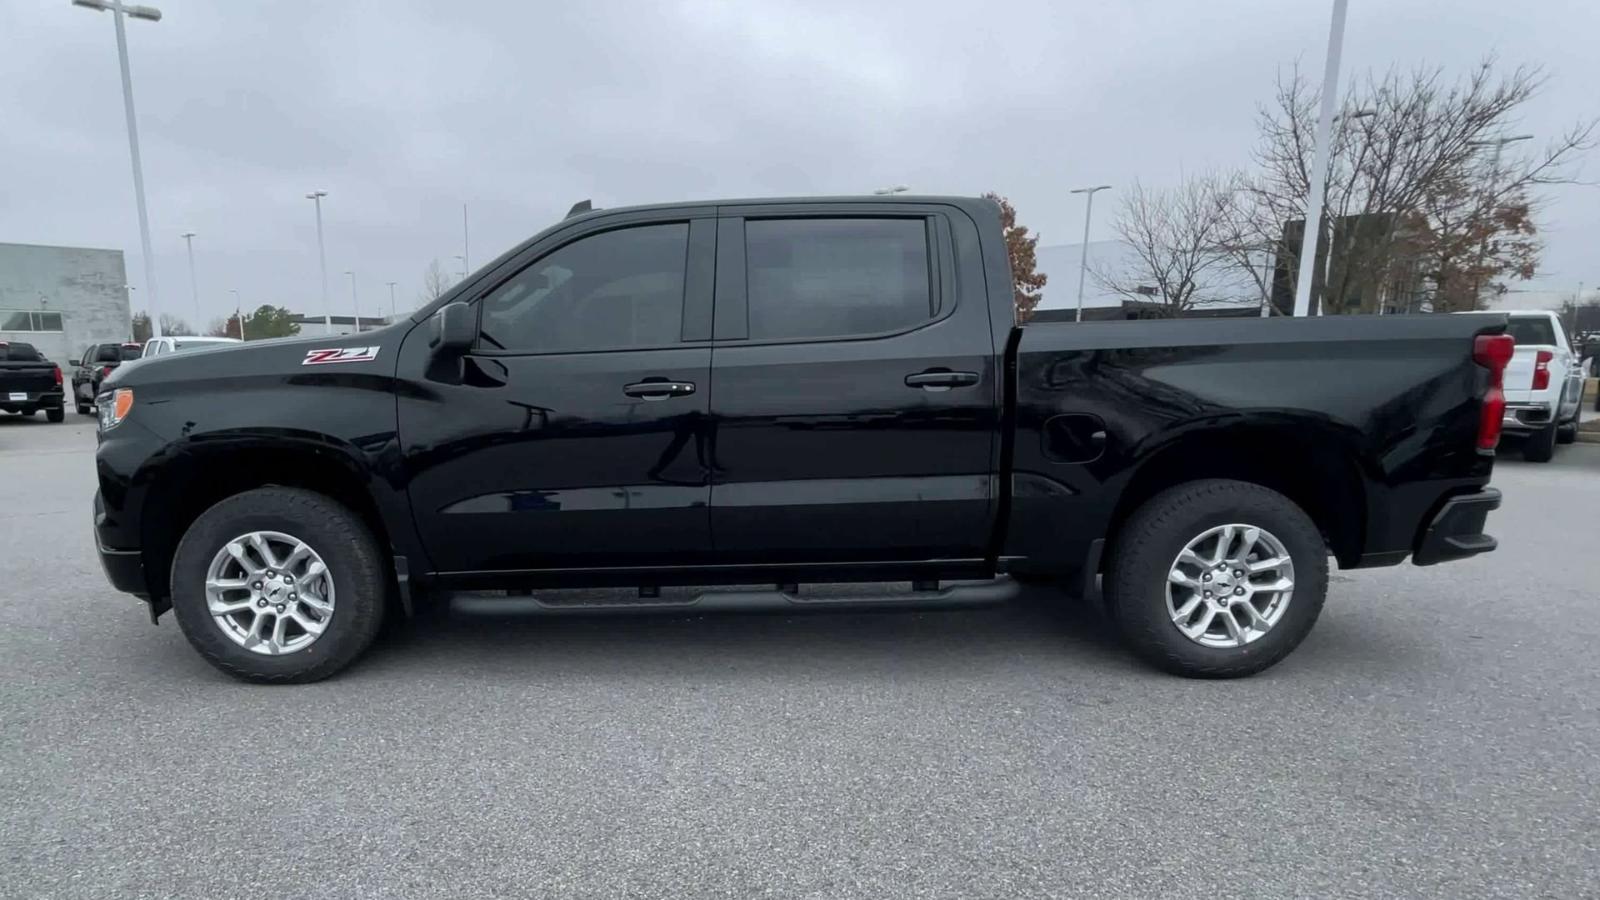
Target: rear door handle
(934,380)
(658,390)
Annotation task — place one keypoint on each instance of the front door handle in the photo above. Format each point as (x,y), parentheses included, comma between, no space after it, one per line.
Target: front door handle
(658,390)
(941,380)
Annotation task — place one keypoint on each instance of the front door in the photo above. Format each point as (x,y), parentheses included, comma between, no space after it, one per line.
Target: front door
(855,389)
(573,435)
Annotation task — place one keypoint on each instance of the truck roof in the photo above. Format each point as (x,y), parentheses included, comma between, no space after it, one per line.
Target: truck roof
(875,199)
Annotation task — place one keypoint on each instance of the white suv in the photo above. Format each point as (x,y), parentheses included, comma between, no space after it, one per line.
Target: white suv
(1543,384)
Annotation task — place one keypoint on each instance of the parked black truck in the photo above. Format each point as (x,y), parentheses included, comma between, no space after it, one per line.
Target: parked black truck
(97,362)
(29,382)
(786,393)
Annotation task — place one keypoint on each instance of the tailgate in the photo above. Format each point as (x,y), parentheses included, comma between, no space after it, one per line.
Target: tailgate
(26,378)
(1519,373)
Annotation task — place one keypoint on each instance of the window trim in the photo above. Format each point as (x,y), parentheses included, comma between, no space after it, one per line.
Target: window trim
(695,253)
(733,289)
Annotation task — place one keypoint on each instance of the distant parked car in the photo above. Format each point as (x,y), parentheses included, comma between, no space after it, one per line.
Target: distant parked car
(96,364)
(1543,384)
(29,382)
(181,344)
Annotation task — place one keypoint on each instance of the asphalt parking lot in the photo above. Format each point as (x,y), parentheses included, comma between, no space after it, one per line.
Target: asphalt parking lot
(1438,734)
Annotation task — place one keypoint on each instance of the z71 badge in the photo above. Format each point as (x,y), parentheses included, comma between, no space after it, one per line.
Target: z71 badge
(339,355)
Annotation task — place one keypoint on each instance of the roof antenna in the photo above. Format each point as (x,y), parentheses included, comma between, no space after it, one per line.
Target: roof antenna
(582,206)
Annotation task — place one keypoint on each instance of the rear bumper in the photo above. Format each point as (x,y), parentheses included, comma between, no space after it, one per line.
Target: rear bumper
(1456,530)
(1526,416)
(31,400)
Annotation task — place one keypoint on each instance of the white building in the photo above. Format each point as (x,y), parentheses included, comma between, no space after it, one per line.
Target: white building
(62,299)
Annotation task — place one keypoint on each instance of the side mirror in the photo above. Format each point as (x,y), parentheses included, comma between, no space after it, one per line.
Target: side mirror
(455,327)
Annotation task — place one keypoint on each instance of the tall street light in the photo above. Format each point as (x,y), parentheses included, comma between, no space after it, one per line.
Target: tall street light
(463,265)
(1499,144)
(149,14)
(354,304)
(391,301)
(897,189)
(1319,162)
(1083,258)
(466,242)
(194,286)
(322,260)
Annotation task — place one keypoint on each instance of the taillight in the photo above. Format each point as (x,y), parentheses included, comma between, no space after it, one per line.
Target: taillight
(105,371)
(1541,370)
(1493,352)
(58,376)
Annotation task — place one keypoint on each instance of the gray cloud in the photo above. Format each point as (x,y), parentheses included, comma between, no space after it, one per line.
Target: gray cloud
(405,110)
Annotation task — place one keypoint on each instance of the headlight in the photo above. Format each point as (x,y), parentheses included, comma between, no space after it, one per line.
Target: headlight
(113,407)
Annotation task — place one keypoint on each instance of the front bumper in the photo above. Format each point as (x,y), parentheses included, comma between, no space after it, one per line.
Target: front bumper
(123,568)
(1456,530)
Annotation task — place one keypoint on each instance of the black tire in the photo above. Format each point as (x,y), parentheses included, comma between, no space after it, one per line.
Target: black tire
(56,414)
(84,410)
(1568,433)
(1540,446)
(354,560)
(1147,545)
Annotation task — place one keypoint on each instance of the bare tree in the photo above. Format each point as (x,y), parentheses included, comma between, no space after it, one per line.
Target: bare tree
(435,281)
(1417,188)
(1184,243)
(172,325)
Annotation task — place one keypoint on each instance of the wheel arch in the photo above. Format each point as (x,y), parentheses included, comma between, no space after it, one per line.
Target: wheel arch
(1311,463)
(202,473)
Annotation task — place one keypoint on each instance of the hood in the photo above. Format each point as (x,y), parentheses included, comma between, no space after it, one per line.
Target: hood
(370,351)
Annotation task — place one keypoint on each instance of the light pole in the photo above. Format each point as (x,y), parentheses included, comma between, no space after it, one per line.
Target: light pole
(391,301)
(238,312)
(897,189)
(149,14)
(1319,162)
(322,260)
(466,242)
(1498,144)
(194,287)
(354,304)
(1083,258)
(463,265)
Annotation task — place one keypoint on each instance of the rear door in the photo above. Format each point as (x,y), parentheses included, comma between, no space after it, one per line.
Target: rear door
(855,389)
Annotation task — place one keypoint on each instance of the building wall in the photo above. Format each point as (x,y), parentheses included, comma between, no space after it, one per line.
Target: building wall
(85,285)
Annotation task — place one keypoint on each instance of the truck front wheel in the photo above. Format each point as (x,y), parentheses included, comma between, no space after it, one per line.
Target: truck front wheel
(1217,578)
(279,585)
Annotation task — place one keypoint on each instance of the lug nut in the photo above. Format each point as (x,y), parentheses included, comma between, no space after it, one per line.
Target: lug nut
(256,585)
(1238,592)
(294,596)
(1208,593)
(261,603)
(1238,573)
(1206,577)
(280,607)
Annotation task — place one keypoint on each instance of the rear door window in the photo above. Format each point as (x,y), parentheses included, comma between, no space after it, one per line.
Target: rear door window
(821,278)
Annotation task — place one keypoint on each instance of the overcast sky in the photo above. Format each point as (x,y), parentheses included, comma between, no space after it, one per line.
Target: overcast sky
(403,111)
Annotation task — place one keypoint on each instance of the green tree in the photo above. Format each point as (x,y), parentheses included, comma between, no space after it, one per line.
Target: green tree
(266,322)
(141,327)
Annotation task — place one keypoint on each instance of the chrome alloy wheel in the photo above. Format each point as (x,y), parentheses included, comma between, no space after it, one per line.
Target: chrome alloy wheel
(269,592)
(1230,585)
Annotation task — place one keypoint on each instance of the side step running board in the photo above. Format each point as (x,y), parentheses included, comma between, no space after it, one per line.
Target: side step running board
(956,595)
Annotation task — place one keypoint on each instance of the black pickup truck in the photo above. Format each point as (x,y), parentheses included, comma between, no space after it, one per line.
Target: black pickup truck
(98,361)
(782,394)
(29,382)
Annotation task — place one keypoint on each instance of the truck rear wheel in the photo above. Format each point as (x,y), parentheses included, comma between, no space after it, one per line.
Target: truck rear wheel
(55,414)
(1540,445)
(279,585)
(1217,578)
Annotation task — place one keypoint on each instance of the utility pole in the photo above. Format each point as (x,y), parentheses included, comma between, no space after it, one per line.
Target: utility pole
(466,242)
(391,301)
(1083,258)
(322,259)
(149,14)
(194,286)
(1319,162)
